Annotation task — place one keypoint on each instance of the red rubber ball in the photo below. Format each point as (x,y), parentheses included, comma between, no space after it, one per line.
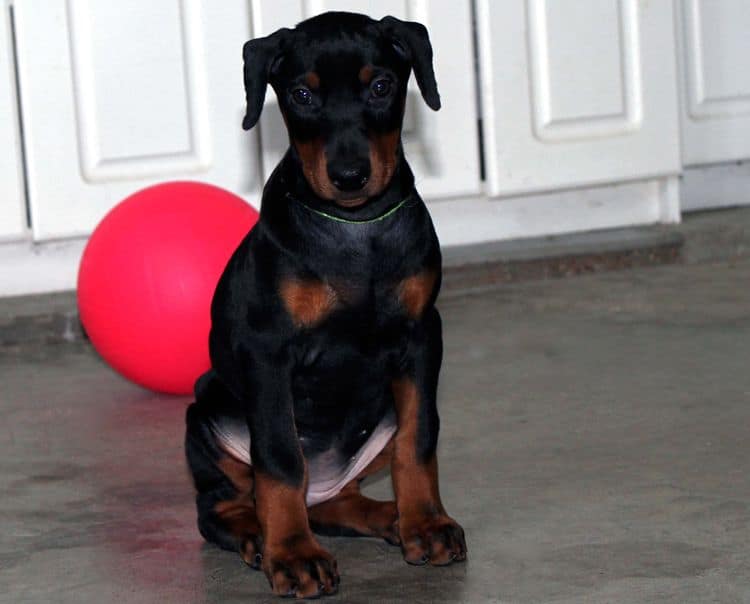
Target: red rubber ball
(147,277)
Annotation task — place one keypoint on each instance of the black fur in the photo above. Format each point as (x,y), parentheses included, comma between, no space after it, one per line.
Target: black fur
(329,383)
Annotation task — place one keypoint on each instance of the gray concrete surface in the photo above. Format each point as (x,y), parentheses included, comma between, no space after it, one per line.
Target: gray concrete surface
(605,241)
(595,446)
(716,235)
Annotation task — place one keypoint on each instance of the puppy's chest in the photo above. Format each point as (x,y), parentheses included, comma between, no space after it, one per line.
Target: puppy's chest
(311,302)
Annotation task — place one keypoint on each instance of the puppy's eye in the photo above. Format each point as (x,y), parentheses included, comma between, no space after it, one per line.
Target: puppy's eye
(302,96)
(381,87)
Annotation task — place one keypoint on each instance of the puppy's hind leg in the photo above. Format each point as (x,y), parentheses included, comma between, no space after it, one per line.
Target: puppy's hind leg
(225,492)
(351,514)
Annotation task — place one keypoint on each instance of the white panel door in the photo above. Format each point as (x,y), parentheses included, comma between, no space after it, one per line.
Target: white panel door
(12,214)
(442,147)
(715,73)
(120,95)
(577,92)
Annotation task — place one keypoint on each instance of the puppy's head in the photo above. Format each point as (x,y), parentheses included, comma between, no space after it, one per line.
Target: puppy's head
(341,83)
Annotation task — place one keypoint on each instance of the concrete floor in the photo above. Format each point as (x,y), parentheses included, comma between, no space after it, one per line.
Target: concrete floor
(595,446)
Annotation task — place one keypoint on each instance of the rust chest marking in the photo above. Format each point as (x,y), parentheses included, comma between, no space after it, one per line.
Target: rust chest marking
(308,302)
(415,292)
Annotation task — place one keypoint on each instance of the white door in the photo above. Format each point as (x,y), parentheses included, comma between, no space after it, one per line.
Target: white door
(442,147)
(12,214)
(120,95)
(577,92)
(715,73)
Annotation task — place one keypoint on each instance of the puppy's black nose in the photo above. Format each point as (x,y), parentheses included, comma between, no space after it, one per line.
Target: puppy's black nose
(349,178)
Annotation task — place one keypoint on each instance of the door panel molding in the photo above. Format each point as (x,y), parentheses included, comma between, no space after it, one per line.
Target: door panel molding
(623,119)
(576,93)
(180,100)
(702,102)
(12,201)
(185,150)
(714,68)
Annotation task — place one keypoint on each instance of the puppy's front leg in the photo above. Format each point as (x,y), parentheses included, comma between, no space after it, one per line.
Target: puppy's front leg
(427,532)
(293,560)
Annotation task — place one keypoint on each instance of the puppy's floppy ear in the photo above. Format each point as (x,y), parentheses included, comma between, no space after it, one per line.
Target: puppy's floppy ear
(260,56)
(412,37)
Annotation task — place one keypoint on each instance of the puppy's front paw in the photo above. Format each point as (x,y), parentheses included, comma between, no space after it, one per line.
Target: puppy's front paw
(435,538)
(299,567)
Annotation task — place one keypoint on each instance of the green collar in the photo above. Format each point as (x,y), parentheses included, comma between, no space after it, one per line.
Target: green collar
(393,210)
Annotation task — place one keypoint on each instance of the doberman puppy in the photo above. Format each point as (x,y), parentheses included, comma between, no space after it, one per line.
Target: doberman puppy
(325,341)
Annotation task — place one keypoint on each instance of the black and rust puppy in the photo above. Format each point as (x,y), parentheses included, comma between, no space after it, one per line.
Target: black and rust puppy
(325,342)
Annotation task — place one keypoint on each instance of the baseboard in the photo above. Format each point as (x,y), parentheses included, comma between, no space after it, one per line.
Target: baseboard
(482,219)
(716,186)
(481,266)
(29,268)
